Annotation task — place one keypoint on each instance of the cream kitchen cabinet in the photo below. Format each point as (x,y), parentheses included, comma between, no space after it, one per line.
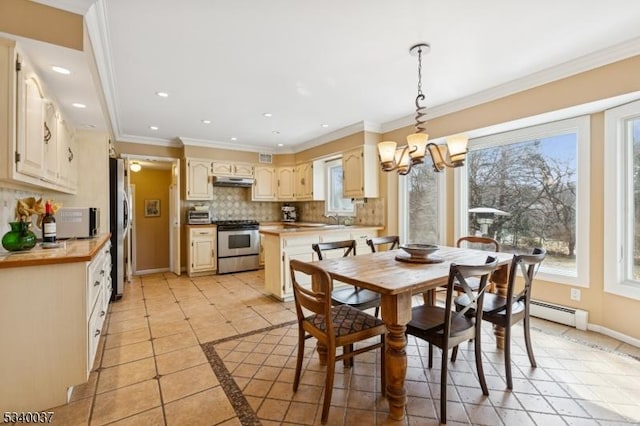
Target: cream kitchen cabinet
(53,315)
(201,243)
(198,181)
(360,172)
(28,127)
(67,161)
(220,168)
(286,183)
(266,184)
(304,181)
(280,248)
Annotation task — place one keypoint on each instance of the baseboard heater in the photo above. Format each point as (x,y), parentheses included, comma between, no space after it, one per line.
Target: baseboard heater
(561,314)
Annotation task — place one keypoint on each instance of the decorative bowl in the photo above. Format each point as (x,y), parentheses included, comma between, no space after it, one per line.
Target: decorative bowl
(419,250)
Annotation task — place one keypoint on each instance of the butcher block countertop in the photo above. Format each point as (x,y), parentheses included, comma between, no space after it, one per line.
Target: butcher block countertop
(70,251)
(296,228)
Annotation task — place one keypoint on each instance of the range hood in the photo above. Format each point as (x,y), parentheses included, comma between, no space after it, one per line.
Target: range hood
(232,181)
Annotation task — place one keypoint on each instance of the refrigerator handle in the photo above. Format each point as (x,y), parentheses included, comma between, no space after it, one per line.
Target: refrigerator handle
(127,213)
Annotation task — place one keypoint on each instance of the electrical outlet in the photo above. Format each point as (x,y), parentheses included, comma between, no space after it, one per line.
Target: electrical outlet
(575,294)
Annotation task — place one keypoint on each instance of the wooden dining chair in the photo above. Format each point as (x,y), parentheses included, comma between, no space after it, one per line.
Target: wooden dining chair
(349,295)
(347,326)
(446,328)
(374,242)
(505,311)
(479,243)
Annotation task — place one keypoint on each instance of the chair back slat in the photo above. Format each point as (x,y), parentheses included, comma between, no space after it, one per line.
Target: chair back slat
(528,265)
(349,247)
(374,242)
(458,275)
(480,243)
(317,299)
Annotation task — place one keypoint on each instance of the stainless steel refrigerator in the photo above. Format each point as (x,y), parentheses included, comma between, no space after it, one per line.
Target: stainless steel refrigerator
(119,222)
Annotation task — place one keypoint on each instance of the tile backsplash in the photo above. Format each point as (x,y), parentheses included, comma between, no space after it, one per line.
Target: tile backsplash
(236,204)
(8,200)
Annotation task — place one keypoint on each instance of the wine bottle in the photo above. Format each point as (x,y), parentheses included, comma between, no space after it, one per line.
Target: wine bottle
(48,225)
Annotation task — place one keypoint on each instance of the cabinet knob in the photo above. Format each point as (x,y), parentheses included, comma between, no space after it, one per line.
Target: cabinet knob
(96,334)
(96,284)
(102,313)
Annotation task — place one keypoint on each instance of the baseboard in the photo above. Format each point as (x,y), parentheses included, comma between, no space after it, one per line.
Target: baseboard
(615,334)
(152,271)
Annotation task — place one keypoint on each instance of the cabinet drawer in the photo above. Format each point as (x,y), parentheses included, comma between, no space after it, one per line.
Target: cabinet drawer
(200,232)
(305,240)
(94,330)
(335,236)
(95,281)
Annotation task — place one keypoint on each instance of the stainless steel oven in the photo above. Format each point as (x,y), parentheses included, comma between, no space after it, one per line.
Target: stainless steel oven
(238,246)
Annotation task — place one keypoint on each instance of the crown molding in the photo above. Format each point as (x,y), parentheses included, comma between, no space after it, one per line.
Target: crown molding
(360,126)
(584,63)
(234,146)
(171,143)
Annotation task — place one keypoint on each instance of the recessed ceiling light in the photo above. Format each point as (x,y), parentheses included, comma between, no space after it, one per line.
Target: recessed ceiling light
(234,139)
(275,132)
(153,127)
(162,94)
(78,105)
(206,121)
(325,125)
(267,114)
(61,70)
(280,144)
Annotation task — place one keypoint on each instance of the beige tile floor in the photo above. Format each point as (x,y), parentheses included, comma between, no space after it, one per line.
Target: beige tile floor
(152,370)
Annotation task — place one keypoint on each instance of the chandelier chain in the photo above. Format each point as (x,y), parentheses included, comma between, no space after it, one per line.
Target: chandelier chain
(421,110)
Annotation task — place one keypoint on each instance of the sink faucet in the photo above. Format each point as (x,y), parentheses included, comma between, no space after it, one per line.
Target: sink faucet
(334,217)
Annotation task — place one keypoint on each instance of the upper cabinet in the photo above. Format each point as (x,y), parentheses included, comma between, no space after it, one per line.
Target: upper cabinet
(198,180)
(222,168)
(360,172)
(36,143)
(309,181)
(265,185)
(286,183)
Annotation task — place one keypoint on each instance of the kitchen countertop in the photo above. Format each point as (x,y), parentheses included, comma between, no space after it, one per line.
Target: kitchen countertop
(309,228)
(71,251)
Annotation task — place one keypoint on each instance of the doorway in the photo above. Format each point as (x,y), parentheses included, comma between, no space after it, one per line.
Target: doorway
(155,234)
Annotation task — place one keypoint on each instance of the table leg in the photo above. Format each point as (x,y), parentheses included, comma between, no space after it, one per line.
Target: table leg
(396,313)
(499,278)
(322,353)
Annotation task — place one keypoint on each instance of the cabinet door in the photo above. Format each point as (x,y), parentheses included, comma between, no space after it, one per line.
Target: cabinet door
(203,256)
(243,170)
(286,183)
(198,184)
(304,181)
(264,187)
(51,118)
(222,169)
(65,153)
(30,119)
(352,172)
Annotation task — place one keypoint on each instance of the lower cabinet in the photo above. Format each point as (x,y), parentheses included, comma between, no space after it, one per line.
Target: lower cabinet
(201,243)
(51,321)
(281,249)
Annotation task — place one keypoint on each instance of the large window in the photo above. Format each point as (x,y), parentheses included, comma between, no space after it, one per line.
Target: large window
(336,204)
(529,188)
(421,193)
(622,200)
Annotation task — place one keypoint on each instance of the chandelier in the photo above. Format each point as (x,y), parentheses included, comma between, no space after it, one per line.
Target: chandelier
(401,158)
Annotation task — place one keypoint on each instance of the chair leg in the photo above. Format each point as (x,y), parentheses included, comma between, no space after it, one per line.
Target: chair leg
(301,339)
(507,355)
(479,367)
(443,386)
(328,385)
(527,341)
(430,355)
(454,354)
(383,365)
(347,361)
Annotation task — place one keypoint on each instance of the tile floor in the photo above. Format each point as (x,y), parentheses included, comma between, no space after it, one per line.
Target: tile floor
(213,351)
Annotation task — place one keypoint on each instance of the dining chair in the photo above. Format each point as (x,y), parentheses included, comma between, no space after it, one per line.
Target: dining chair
(349,295)
(446,328)
(348,325)
(374,242)
(505,311)
(479,243)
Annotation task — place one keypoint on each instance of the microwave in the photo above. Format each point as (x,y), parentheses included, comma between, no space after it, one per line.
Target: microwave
(77,222)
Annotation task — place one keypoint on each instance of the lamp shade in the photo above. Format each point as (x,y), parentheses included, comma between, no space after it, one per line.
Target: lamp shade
(457,145)
(387,152)
(402,160)
(417,145)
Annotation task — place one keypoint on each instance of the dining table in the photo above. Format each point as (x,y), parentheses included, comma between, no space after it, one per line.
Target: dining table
(397,278)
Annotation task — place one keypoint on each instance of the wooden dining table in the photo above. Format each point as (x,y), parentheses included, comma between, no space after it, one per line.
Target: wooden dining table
(397,281)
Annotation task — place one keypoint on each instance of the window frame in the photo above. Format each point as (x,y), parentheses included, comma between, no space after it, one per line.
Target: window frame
(618,192)
(582,127)
(328,165)
(403,206)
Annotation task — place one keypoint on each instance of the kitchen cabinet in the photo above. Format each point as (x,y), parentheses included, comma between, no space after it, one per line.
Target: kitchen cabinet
(304,182)
(67,161)
(280,248)
(198,179)
(265,186)
(360,172)
(53,314)
(29,135)
(201,243)
(220,168)
(286,183)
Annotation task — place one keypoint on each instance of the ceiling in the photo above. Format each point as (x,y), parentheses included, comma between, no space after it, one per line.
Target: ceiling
(343,64)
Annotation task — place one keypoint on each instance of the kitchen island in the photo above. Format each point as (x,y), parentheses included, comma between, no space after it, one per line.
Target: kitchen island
(53,306)
(283,242)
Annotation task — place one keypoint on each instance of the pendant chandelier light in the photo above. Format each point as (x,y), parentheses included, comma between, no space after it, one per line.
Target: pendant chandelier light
(401,158)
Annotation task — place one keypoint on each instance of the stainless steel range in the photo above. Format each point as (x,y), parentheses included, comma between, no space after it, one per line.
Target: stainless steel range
(238,245)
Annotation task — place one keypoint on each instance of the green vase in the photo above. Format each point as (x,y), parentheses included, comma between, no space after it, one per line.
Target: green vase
(19,238)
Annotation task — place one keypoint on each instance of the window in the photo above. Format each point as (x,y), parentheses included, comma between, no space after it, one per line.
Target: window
(336,204)
(420,204)
(622,201)
(529,188)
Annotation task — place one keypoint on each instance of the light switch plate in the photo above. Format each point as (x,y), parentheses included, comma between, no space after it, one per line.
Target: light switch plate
(575,294)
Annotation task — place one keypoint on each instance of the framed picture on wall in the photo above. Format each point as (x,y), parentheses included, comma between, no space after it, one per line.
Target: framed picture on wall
(151,208)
